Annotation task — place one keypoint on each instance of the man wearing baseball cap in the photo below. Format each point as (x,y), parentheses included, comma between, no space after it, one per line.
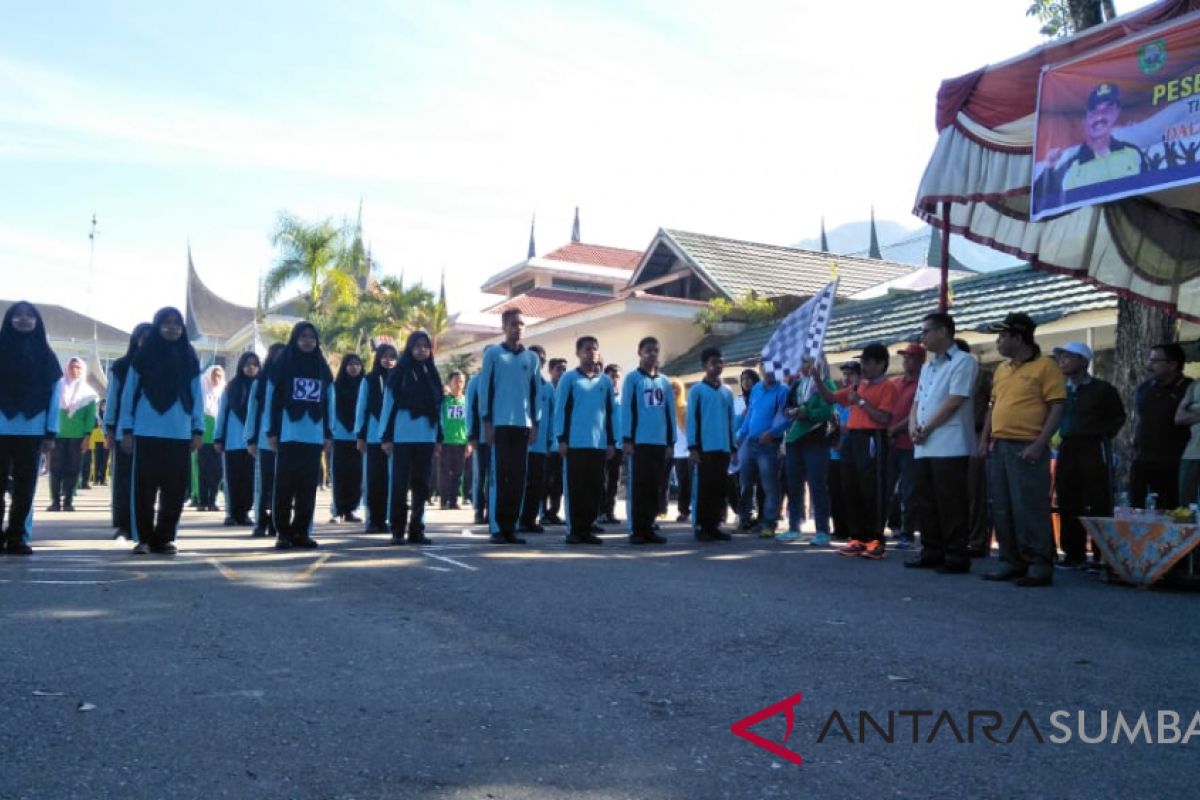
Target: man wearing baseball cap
(1027,405)
(1092,415)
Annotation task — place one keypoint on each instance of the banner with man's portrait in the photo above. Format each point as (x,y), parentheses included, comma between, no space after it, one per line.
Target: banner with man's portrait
(1122,121)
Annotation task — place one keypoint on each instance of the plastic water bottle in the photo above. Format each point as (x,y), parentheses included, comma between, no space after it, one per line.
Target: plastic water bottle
(1151,502)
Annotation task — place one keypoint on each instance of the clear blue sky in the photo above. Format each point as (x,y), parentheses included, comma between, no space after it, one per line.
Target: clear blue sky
(454,122)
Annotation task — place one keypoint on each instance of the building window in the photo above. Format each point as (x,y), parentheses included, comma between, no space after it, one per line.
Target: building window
(520,288)
(581,286)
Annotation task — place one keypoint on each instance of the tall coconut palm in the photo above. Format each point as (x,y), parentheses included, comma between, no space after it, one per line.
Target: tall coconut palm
(312,253)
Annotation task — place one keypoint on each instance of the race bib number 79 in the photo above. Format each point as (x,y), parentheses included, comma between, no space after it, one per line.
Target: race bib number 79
(306,389)
(653,397)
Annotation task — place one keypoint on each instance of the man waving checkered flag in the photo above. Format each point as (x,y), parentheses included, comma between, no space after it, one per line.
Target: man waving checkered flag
(801,335)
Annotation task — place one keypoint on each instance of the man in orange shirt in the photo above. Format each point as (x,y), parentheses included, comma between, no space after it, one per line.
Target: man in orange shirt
(1027,405)
(872,400)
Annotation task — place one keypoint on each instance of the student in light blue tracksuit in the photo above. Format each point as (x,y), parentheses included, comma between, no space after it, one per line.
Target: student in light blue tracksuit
(229,440)
(710,432)
(259,448)
(299,427)
(30,380)
(412,435)
(346,465)
(539,449)
(122,461)
(481,451)
(376,478)
(583,426)
(161,424)
(648,435)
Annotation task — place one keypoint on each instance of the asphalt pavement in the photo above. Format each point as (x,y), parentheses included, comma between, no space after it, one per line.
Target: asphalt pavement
(466,670)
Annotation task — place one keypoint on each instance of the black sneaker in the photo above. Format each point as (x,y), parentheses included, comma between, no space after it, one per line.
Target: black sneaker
(705,536)
(282,543)
(54,507)
(512,538)
(610,519)
(497,538)
(637,538)
(17,547)
(68,507)
(721,536)
(419,538)
(230,522)
(552,519)
(350,517)
(584,538)
(596,529)
(306,543)
(398,539)
(141,549)
(534,528)
(165,549)
(654,538)
(258,531)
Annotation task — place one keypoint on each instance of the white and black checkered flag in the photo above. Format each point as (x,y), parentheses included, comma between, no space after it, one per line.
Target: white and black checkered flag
(800,335)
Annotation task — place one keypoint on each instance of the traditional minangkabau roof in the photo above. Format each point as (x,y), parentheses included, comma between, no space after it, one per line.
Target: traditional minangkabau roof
(732,267)
(544,303)
(978,301)
(208,315)
(63,323)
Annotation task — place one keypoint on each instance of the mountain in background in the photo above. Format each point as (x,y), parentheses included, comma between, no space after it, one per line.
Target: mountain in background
(906,244)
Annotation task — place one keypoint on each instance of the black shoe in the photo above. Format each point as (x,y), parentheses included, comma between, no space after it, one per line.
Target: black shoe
(552,519)
(584,538)
(17,547)
(952,568)
(654,538)
(454,507)
(230,522)
(610,519)
(282,543)
(68,506)
(419,538)
(54,507)
(1035,579)
(534,528)
(920,562)
(307,543)
(258,531)
(976,552)
(512,538)
(164,549)
(350,517)
(706,536)
(596,529)
(683,517)
(243,522)
(497,538)
(1005,573)
(141,549)
(721,535)
(398,539)
(480,519)
(638,539)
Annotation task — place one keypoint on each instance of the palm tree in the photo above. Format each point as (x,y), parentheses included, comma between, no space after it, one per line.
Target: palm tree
(314,253)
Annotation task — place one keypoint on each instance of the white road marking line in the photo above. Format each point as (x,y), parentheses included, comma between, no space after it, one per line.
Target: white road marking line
(467,567)
(313,567)
(229,573)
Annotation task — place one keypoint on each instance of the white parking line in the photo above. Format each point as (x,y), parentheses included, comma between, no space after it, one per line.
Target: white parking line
(467,567)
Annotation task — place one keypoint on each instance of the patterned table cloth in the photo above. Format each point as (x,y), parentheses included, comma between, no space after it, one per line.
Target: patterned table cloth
(1141,551)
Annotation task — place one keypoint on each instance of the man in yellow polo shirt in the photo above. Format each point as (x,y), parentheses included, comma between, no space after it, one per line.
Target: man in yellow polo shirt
(1027,404)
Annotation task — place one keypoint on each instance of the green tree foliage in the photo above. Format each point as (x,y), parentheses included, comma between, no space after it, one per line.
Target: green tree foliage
(749,308)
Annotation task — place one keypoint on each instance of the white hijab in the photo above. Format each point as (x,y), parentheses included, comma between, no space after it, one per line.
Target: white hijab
(76,393)
(212,392)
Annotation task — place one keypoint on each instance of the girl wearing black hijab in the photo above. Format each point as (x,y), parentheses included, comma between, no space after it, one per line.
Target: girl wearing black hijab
(299,429)
(122,461)
(257,445)
(345,462)
(412,434)
(161,424)
(368,426)
(229,440)
(30,381)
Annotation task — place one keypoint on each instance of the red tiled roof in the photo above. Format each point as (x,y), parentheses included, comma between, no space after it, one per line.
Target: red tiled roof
(549,303)
(596,254)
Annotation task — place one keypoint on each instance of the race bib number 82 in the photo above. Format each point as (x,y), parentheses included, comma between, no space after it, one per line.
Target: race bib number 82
(306,389)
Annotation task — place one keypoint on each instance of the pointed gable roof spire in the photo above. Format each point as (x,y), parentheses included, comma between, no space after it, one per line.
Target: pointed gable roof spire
(532,246)
(873,251)
(933,256)
(824,238)
(442,291)
(575,227)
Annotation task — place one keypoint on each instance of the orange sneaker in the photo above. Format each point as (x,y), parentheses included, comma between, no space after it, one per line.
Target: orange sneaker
(875,550)
(853,548)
